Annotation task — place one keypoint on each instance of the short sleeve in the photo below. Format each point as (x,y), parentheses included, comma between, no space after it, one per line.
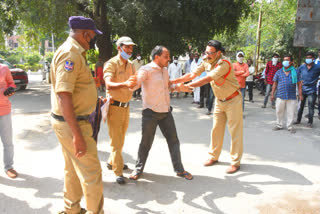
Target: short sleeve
(221,70)
(108,69)
(276,77)
(201,68)
(67,68)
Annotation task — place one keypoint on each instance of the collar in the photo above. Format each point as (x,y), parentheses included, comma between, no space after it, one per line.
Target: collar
(76,45)
(154,65)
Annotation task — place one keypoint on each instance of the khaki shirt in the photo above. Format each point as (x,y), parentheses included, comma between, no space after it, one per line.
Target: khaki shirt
(70,73)
(137,64)
(217,74)
(119,72)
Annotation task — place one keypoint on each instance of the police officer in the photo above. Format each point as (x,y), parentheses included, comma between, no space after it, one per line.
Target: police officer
(73,98)
(118,76)
(228,105)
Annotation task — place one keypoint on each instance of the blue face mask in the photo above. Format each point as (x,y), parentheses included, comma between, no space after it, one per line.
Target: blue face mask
(124,55)
(286,63)
(309,61)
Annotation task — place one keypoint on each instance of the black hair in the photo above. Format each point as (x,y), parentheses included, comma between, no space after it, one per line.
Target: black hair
(310,53)
(217,45)
(288,55)
(157,51)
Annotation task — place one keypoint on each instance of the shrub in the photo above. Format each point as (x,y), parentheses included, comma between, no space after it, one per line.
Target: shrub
(33,59)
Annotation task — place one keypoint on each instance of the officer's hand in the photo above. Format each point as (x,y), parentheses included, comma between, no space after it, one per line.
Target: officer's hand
(131,82)
(80,146)
(184,88)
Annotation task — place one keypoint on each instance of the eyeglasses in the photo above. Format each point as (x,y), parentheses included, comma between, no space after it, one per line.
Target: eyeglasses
(210,53)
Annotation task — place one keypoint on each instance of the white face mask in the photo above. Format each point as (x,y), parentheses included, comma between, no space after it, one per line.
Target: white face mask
(240,59)
(138,57)
(274,60)
(175,61)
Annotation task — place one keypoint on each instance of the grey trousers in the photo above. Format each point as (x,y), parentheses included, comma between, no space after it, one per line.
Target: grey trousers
(6,138)
(150,121)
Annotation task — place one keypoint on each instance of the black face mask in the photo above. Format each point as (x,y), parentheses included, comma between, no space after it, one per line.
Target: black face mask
(92,43)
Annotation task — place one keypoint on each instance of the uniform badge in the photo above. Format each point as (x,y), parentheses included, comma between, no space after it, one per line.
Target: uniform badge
(68,66)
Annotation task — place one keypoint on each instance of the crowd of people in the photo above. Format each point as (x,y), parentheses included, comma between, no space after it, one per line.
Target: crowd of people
(207,75)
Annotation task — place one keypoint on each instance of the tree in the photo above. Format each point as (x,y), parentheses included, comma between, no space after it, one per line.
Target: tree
(173,23)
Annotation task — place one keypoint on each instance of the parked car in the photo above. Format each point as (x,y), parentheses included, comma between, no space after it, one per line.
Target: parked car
(20,77)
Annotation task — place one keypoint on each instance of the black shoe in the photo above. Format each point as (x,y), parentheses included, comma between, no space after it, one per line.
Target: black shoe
(200,106)
(125,166)
(297,122)
(120,180)
(309,125)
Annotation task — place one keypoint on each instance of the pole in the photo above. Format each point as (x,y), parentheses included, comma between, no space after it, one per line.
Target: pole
(52,39)
(257,49)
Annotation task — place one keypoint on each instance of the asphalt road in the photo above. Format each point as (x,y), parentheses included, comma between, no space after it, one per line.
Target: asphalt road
(280,171)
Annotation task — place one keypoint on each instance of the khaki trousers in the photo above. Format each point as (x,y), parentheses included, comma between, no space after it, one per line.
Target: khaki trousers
(82,176)
(230,111)
(283,106)
(118,121)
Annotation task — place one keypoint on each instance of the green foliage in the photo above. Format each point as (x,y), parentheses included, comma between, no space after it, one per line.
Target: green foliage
(33,59)
(277,31)
(48,57)
(13,59)
(176,24)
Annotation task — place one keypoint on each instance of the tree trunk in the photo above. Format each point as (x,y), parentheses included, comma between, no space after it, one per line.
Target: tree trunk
(103,41)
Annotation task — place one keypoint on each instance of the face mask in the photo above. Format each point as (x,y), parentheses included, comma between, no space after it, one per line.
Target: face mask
(274,60)
(139,57)
(309,61)
(92,43)
(175,61)
(124,55)
(240,59)
(286,64)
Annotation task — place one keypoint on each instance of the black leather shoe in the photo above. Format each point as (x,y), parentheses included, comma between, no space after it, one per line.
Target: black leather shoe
(120,180)
(125,166)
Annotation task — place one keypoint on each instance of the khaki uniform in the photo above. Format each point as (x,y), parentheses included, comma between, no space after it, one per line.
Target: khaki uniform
(118,117)
(230,110)
(70,73)
(137,64)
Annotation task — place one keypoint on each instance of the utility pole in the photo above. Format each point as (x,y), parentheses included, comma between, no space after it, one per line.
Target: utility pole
(257,49)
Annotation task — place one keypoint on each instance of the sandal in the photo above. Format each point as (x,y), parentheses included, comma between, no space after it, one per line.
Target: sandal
(185,175)
(135,175)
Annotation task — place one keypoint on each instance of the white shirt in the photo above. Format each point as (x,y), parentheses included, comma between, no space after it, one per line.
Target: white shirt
(251,71)
(175,71)
(194,65)
(187,66)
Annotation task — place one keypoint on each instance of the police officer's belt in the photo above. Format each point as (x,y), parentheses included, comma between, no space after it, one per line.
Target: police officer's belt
(120,104)
(60,118)
(230,97)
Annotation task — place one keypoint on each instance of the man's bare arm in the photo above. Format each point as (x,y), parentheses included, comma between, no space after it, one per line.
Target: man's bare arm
(200,82)
(130,83)
(184,78)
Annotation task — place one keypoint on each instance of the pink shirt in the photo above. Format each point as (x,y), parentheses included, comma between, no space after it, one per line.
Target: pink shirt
(154,82)
(6,81)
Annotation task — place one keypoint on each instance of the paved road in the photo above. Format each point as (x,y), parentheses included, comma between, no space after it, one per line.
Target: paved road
(280,172)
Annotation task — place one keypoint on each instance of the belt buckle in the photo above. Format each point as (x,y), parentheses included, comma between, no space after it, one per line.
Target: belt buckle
(126,104)
(120,104)
(223,100)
